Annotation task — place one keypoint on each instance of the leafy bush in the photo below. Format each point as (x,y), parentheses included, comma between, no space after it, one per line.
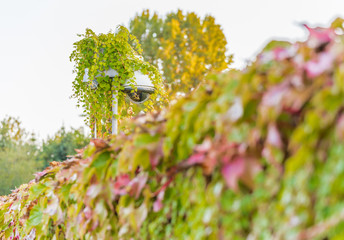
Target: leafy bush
(256,154)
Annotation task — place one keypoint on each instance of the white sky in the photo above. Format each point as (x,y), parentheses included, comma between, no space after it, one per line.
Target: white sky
(37,36)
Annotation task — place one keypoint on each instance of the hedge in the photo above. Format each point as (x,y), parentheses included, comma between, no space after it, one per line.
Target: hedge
(252,154)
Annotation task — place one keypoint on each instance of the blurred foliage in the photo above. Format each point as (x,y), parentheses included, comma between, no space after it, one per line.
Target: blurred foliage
(61,145)
(11,132)
(184,47)
(21,155)
(18,151)
(253,154)
(18,165)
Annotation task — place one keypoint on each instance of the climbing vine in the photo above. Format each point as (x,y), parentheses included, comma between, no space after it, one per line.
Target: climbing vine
(253,154)
(95,54)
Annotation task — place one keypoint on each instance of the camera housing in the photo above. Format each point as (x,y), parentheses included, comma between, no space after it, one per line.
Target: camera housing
(139,88)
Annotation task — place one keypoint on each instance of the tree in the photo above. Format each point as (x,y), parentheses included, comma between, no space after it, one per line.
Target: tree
(184,47)
(21,155)
(11,132)
(62,144)
(18,166)
(18,152)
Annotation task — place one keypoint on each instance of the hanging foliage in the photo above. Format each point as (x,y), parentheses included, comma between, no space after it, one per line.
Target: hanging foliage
(95,55)
(256,154)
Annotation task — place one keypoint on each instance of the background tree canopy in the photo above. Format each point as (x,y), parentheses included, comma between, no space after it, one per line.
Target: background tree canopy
(18,153)
(184,47)
(21,155)
(62,144)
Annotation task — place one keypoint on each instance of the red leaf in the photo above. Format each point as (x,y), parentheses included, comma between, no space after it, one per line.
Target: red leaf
(136,185)
(154,159)
(232,171)
(318,36)
(317,66)
(99,143)
(39,175)
(196,158)
(280,53)
(87,212)
(121,182)
(123,179)
(157,205)
(155,156)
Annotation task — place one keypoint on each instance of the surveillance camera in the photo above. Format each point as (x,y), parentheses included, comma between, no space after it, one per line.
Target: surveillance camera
(140,94)
(140,88)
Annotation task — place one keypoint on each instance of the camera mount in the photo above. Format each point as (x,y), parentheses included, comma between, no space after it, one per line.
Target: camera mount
(138,89)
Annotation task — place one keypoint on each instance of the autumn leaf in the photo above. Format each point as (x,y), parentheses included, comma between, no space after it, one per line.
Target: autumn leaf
(232,172)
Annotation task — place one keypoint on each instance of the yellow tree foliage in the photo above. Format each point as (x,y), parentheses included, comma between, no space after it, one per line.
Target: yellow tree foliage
(184,47)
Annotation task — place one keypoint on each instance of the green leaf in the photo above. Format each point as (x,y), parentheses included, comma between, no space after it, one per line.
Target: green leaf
(144,139)
(65,189)
(141,158)
(36,215)
(37,190)
(101,161)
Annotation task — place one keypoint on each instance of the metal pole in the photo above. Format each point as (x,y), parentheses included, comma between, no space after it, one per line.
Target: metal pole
(114,113)
(95,128)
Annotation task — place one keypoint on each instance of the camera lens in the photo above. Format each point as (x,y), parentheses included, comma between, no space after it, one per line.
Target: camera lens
(138,96)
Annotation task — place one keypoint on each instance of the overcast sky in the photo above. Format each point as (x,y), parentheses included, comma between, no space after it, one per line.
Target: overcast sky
(37,36)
